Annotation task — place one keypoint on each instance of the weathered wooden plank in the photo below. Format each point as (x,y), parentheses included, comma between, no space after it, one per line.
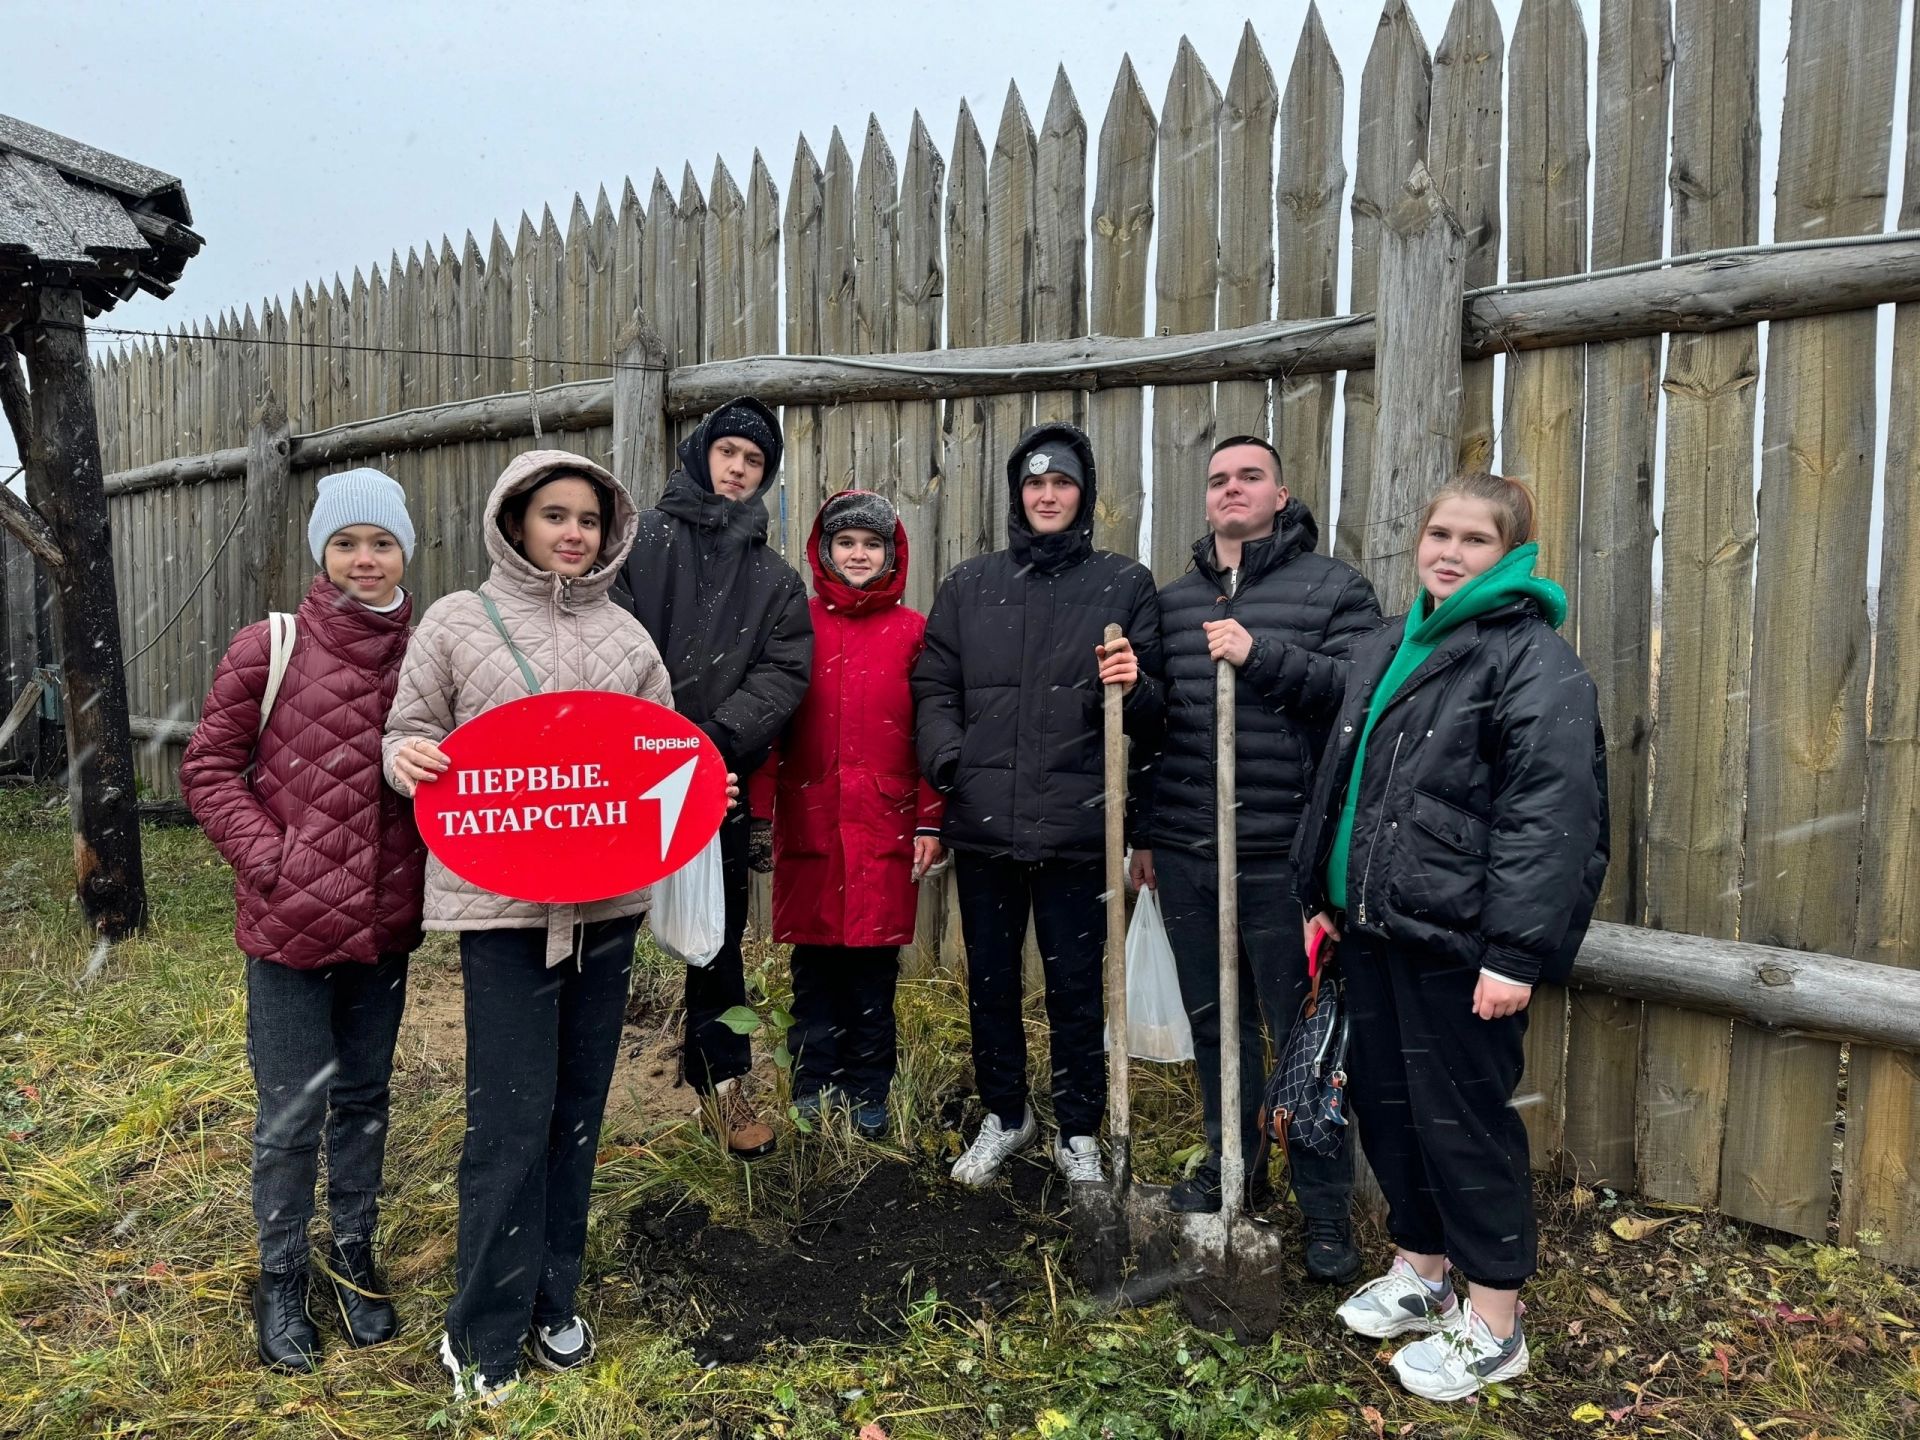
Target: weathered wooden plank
(1542,436)
(640,450)
(876,219)
(1310,183)
(723,272)
(1463,152)
(801,466)
(688,292)
(1060,240)
(1807,755)
(630,262)
(1011,180)
(918,294)
(1880,1179)
(1395,91)
(1247,117)
(1186,285)
(838,322)
(1699,800)
(1422,258)
(1616,559)
(965,524)
(1122,238)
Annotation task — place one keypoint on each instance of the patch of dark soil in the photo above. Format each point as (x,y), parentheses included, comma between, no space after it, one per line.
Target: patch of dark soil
(862,1257)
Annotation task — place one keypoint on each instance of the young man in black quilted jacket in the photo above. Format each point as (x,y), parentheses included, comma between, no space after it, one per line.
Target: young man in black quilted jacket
(1260,598)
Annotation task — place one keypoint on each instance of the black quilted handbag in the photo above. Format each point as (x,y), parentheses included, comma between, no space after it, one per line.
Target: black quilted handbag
(1306,1098)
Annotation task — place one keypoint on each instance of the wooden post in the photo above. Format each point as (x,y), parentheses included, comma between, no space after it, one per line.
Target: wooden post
(1417,420)
(269,497)
(64,485)
(639,415)
(1879,1202)
(1616,559)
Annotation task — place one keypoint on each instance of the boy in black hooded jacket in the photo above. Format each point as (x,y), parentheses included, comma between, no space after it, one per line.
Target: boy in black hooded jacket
(730,618)
(1007,699)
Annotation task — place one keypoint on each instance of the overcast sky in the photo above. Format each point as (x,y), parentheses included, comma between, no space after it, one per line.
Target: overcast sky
(320,137)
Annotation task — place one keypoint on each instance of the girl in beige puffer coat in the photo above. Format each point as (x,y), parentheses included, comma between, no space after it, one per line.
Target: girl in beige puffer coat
(545,986)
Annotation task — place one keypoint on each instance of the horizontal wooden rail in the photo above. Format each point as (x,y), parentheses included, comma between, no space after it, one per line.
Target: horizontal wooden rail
(1688,294)
(1795,992)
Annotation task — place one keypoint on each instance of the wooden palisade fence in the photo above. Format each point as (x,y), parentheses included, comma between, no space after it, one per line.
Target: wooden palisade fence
(1777,790)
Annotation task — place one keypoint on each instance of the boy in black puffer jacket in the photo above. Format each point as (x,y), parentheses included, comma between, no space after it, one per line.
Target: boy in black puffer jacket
(730,618)
(1007,697)
(1261,598)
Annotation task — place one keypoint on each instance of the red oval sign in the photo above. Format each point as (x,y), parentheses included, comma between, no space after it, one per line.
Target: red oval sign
(572,797)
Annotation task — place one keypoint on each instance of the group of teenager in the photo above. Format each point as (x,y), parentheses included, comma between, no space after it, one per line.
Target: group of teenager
(1429,792)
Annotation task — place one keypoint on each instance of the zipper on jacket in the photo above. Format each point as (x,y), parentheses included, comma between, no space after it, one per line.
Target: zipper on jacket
(1373,842)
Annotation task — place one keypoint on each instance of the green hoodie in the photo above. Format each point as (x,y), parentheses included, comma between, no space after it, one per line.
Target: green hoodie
(1509,580)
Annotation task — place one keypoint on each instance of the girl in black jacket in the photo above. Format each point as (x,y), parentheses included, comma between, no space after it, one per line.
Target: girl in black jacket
(1455,845)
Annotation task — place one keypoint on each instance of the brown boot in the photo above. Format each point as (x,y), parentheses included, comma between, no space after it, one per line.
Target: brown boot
(748,1136)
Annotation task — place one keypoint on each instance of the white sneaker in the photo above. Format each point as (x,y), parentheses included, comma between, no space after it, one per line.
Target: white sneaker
(1460,1359)
(1398,1303)
(991,1147)
(1078,1158)
(563,1347)
(469,1384)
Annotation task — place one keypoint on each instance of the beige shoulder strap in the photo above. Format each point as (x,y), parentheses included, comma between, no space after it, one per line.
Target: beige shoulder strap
(280,651)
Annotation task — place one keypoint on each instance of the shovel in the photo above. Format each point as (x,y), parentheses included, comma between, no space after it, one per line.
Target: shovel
(1232,1266)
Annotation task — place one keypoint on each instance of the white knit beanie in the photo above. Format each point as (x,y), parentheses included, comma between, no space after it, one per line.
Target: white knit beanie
(359,497)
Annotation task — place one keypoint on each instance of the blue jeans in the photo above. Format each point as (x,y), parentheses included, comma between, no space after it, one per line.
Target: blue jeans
(321,1046)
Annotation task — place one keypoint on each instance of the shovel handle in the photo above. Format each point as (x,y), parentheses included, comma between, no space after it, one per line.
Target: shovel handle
(1233,1163)
(1119,1110)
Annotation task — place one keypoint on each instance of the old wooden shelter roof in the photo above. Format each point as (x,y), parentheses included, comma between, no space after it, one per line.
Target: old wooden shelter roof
(74,215)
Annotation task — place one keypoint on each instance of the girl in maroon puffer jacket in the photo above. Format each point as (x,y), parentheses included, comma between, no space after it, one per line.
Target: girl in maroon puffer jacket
(854,825)
(328,872)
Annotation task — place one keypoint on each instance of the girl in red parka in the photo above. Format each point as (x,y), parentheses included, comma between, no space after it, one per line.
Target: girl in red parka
(327,873)
(854,826)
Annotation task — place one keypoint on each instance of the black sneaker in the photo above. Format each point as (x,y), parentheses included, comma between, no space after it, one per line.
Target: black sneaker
(366,1314)
(566,1346)
(282,1325)
(1199,1194)
(1330,1254)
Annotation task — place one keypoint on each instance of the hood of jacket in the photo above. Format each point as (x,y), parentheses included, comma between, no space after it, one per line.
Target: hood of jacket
(1050,554)
(1295,533)
(690,495)
(844,599)
(1510,581)
(517,575)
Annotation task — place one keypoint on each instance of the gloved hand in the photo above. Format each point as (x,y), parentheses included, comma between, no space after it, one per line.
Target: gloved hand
(760,847)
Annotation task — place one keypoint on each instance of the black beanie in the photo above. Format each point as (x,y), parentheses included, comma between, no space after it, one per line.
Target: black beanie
(858,510)
(1059,458)
(748,422)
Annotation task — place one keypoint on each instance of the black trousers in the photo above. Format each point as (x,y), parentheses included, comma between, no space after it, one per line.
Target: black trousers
(710,1052)
(1273,983)
(541,1044)
(321,1046)
(843,1031)
(1433,1086)
(1069,921)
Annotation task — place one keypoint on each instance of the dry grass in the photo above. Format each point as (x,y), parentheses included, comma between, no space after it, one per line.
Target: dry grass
(125,1255)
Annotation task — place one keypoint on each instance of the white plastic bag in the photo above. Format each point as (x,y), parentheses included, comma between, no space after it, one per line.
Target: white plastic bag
(689,916)
(1157,1027)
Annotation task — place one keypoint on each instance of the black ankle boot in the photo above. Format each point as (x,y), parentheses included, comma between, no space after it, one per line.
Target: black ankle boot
(282,1324)
(1331,1258)
(366,1314)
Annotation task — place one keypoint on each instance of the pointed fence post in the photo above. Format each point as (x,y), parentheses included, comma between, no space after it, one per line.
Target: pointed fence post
(1417,370)
(640,409)
(269,497)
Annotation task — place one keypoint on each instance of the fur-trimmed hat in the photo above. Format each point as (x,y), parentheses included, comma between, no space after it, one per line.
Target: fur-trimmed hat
(858,510)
